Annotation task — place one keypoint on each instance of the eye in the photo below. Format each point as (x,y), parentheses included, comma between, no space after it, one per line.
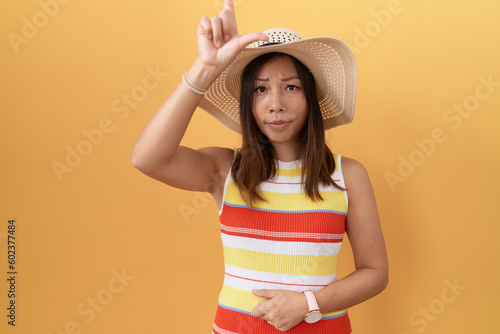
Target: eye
(292,87)
(260,89)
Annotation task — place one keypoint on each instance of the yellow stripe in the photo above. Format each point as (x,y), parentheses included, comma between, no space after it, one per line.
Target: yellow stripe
(239,299)
(290,172)
(308,265)
(332,200)
(246,300)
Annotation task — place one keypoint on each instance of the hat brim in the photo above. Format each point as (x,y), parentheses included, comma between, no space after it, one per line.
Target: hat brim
(330,61)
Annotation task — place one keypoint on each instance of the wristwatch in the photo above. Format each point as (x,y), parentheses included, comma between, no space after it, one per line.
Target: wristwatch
(314,314)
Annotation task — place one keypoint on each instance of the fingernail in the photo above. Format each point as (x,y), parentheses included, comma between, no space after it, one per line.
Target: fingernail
(218,44)
(227,37)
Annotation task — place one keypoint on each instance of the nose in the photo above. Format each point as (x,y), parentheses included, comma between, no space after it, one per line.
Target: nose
(276,102)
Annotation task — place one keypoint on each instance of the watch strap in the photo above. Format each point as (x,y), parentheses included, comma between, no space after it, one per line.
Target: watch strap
(311,300)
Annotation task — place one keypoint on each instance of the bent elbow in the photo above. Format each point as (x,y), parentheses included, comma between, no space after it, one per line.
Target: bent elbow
(138,161)
(384,282)
(383,279)
(147,163)
(134,159)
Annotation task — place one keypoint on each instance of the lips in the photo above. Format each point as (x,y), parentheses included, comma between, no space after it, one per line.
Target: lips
(278,125)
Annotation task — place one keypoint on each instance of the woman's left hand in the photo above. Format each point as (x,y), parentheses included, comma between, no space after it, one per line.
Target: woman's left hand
(282,309)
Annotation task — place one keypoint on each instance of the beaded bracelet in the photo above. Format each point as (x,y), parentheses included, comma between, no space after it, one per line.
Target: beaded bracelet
(192,87)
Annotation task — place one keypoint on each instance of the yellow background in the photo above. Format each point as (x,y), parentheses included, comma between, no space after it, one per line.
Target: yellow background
(76,232)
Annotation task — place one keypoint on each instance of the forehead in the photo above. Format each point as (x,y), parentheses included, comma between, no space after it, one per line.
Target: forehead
(278,65)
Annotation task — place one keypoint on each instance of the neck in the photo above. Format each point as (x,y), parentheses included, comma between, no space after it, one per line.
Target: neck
(286,152)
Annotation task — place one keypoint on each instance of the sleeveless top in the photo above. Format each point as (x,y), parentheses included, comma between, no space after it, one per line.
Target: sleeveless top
(289,242)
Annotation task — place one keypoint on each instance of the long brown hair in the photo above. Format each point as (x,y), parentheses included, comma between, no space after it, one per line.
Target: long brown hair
(256,161)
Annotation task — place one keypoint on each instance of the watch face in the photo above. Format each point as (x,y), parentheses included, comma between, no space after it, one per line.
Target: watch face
(313,317)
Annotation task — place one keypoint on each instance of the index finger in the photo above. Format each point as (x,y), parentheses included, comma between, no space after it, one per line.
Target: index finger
(229,5)
(258,311)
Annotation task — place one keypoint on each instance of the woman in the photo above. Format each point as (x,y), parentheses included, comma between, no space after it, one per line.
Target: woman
(284,199)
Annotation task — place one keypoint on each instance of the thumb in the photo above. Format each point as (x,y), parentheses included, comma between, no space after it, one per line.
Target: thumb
(252,37)
(264,293)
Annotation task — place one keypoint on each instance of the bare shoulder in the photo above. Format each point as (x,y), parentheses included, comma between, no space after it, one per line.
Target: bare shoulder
(355,174)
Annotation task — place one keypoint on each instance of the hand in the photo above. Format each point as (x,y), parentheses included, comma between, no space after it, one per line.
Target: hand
(218,39)
(283,309)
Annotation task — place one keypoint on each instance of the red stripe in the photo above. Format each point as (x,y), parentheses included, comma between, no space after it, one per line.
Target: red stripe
(256,280)
(242,323)
(272,238)
(297,222)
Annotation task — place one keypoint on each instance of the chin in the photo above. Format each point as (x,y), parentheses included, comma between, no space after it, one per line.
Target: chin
(282,139)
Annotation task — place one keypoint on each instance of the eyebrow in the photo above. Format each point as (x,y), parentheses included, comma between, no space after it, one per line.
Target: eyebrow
(284,79)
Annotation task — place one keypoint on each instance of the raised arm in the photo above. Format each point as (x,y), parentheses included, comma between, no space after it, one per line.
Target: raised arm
(157,152)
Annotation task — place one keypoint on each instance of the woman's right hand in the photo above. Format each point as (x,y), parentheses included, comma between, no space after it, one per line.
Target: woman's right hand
(219,41)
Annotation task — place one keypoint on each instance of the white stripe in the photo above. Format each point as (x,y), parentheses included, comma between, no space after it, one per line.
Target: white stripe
(282,278)
(292,184)
(281,234)
(247,285)
(281,188)
(220,330)
(290,165)
(339,175)
(228,178)
(338,178)
(286,179)
(246,279)
(282,247)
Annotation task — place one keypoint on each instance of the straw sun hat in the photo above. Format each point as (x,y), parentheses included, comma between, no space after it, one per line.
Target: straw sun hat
(330,61)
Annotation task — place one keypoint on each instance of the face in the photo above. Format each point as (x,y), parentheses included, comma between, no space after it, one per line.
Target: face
(279,102)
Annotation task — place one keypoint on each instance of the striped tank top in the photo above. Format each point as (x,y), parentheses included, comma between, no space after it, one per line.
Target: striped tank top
(289,242)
